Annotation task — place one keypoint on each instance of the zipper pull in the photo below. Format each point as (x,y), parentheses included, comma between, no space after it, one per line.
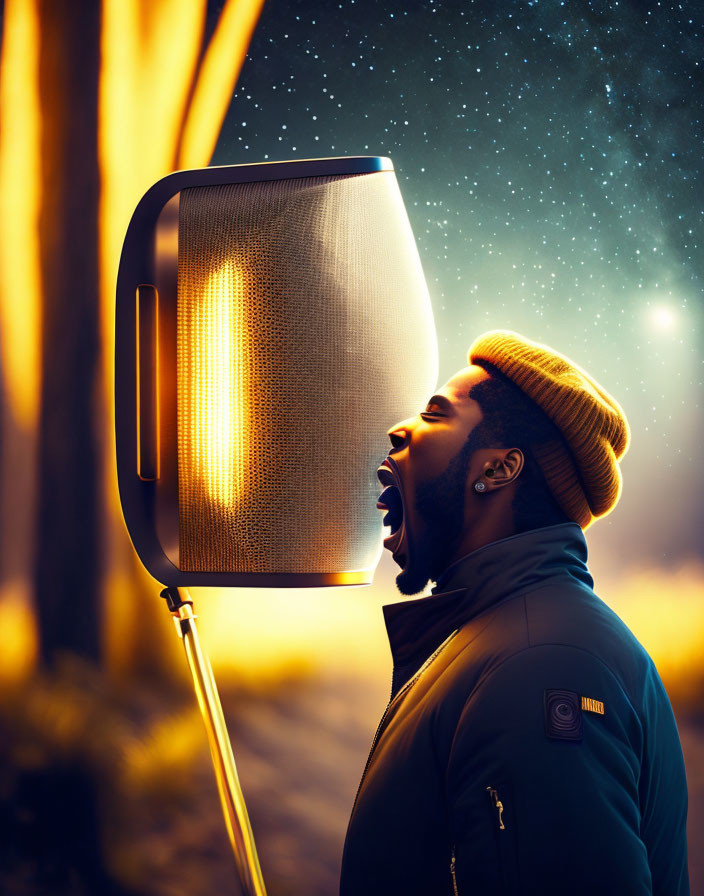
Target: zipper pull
(499,805)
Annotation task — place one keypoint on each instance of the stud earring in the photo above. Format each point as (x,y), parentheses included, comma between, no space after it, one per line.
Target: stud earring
(480,486)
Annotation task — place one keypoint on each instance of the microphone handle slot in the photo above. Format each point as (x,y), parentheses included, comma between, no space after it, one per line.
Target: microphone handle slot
(147,336)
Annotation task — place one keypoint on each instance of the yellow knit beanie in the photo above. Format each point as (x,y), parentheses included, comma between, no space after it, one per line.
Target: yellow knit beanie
(583,474)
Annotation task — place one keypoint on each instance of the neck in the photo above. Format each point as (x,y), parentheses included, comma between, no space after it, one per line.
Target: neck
(493,522)
(480,581)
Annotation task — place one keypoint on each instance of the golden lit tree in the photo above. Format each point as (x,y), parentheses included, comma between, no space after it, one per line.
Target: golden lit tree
(97,101)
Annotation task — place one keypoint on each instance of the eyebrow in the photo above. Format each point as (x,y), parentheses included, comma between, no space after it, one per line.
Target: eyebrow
(441,401)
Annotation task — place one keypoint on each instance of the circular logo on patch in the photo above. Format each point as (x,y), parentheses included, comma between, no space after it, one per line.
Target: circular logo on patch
(563,716)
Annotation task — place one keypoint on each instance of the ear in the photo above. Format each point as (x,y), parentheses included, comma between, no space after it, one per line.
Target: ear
(506,466)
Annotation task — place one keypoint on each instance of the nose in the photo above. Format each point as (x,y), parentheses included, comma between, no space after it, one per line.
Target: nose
(399,436)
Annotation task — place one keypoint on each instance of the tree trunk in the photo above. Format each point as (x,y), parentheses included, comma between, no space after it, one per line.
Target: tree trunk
(68,566)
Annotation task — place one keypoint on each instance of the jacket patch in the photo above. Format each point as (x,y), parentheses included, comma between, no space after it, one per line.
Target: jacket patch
(592,705)
(563,716)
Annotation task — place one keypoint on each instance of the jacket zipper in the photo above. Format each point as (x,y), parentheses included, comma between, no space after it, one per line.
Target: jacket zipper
(503,840)
(498,804)
(493,793)
(393,700)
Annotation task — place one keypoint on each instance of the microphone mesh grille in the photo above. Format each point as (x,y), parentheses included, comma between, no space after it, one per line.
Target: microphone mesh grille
(304,332)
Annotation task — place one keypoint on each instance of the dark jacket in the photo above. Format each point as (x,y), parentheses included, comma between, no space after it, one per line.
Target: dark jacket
(529,746)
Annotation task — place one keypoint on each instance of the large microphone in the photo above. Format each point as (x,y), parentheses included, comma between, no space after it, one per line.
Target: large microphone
(272,324)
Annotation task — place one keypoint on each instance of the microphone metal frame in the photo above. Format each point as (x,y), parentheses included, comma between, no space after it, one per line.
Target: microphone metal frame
(137,271)
(239,829)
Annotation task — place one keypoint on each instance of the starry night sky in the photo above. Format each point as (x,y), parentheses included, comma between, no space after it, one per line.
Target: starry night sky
(550,158)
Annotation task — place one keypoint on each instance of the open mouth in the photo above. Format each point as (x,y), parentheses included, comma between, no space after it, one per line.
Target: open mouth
(391,501)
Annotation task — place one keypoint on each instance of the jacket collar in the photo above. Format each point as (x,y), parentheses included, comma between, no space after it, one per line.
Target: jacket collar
(478,581)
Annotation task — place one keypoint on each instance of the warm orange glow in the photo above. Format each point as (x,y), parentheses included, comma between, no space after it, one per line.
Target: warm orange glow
(149,54)
(147,97)
(170,745)
(149,68)
(664,609)
(19,638)
(216,80)
(20,277)
(259,635)
(136,622)
(215,431)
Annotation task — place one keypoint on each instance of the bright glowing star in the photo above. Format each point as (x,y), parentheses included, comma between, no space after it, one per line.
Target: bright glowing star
(218,397)
(663,317)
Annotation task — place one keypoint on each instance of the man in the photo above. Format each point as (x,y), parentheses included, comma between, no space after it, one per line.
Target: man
(529,745)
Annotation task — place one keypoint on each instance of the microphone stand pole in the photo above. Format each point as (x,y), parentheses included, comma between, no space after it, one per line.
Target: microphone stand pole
(234,809)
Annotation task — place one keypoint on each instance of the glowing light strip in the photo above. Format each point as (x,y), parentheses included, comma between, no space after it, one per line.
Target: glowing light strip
(218,408)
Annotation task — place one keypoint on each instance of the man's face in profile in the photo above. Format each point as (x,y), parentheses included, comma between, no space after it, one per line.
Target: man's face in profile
(431,462)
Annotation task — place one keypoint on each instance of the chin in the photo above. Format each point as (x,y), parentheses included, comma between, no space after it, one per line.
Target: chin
(410,583)
(427,560)
(414,576)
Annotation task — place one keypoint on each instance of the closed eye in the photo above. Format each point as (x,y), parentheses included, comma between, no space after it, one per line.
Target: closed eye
(425,414)
(438,401)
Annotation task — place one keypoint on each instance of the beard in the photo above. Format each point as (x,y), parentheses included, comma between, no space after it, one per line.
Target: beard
(439,505)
